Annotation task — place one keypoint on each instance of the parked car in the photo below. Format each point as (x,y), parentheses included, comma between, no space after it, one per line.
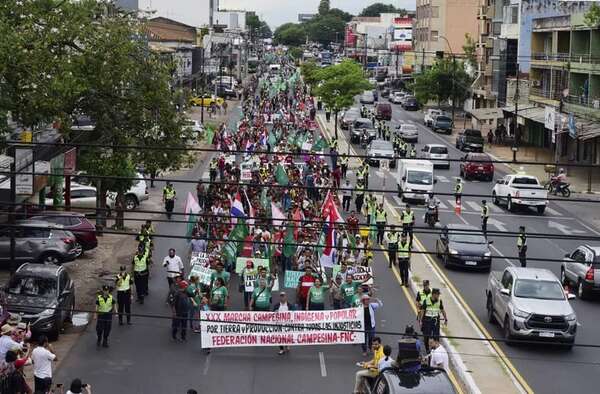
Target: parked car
(206,101)
(226,90)
(408,132)
(38,242)
(385,92)
(379,148)
(83,198)
(437,154)
(470,140)
(430,115)
(196,127)
(581,269)
(531,304)
(410,103)
(397,97)
(520,190)
(137,193)
(367,97)
(402,381)
(383,111)
(442,123)
(75,222)
(463,245)
(44,296)
(348,117)
(477,165)
(360,125)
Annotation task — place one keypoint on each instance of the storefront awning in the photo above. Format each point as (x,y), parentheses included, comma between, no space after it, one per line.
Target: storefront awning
(535,114)
(587,130)
(487,113)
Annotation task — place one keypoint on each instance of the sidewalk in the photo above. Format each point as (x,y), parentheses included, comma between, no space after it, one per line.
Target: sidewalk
(343,144)
(477,364)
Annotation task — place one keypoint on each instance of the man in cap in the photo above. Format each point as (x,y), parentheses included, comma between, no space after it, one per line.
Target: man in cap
(485,215)
(180,306)
(124,282)
(105,306)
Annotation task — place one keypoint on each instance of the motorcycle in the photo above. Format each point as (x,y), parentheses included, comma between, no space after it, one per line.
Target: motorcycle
(563,187)
(432,215)
(364,140)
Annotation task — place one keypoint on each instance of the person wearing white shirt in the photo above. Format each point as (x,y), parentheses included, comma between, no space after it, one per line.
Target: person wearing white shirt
(174,266)
(439,356)
(386,361)
(42,357)
(6,341)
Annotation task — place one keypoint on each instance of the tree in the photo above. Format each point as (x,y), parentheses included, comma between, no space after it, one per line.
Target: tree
(258,28)
(377,9)
(309,71)
(470,50)
(295,53)
(442,80)
(325,29)
(324,7)
(339,84)
(291,34)
(343,15)
(592,17)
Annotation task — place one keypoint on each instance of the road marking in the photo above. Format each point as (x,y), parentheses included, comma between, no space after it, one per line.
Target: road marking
(473,205)
(398,200)
(205,175)
(442,205)
(206,365)
(553,211)
(563,228)
(495,208)
(442,179)
(322,363)
(498,224)
(495,249)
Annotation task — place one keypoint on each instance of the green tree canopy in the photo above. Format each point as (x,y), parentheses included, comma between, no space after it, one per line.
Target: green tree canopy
(377,9)
(324,7)
(257,27)
(592,17)
(343,15)
(323,29)
(441,80)
(292,34)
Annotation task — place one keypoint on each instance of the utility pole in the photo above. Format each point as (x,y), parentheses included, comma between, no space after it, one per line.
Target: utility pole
(11,209)
(397,60)
(453,86)
(202,86)
(515,125)
(422,60)
(366,50)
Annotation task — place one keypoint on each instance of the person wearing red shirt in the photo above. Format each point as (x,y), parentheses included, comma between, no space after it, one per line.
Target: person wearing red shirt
(352,223)
(305,282)
(337,176)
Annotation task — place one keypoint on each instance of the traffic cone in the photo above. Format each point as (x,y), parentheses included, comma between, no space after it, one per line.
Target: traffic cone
(457,206)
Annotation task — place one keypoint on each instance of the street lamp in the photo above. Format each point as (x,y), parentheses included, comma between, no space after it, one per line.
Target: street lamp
(453,77)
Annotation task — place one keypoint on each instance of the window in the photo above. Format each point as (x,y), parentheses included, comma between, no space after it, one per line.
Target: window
(434,35)
(578,256)
(507,280)
(514,14)
(29,232)
(435,12)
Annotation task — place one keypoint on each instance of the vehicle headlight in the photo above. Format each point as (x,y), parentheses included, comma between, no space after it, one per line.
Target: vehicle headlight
(519,313)
(408,190)
(487,254)
(571,317)
(453,251)
(47,312)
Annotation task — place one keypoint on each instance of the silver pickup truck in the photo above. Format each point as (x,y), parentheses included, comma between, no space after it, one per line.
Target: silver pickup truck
(530,304)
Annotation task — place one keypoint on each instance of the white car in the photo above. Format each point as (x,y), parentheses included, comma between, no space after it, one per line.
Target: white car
(397,98)
(520,190)
(408,132)
(436,153)
(430,116)
(196,126)
(83,198)
(137,193)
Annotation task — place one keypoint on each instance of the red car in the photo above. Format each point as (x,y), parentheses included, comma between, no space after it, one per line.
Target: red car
(77,223)
(477,165)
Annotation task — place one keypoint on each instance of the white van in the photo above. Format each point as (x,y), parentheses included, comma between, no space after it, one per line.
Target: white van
(415,179)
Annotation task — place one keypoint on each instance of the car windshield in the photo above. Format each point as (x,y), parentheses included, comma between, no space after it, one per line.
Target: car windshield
(441,118)
(466,237)
(525,181)
(382,145)
(483,158)
(32,286)
(473,133)
(440,150)
(539,289)
(364,124)
(409,128)
(419,177)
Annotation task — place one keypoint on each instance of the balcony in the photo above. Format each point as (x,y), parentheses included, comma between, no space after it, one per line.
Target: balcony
(584,63)
(548,60)
(482,12)
(544,96)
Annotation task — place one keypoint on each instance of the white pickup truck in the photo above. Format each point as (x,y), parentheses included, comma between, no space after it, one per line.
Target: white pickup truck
(520,190)
(531,304)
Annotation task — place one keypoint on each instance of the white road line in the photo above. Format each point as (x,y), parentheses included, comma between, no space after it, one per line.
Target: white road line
(553,211)
(206,365)
(495,249)
(322,362)
(442,179)
(495,208)
(473,206)
(442,205)
(398,200)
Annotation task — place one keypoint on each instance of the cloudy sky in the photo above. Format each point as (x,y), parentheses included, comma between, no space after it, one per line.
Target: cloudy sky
(275,12)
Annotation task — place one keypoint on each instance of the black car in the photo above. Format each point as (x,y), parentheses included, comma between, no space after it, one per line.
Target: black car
(470,140)
(44,295)
(425,380)
(359,126)
(410,104)
(465,246)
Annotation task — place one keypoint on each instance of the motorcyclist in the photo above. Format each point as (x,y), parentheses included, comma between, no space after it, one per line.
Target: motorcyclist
(432,209)
(363,111)
(364,138)
(560,180)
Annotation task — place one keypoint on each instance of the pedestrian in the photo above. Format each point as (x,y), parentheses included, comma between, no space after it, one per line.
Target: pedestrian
(219,295)
(347,192)
(174,266)
(315,300)
(337,298)
(224,107)
(140,274)
(404,250)
(387,361)
(439,355)
(7,342)
(213,167)
(283,306)
(352,224)
(198,245)
(429,317)
(77,387)
(370,369)
(380,220)
(423,294)
(261,297)
(220,272)
(124,282)
(408,221)
(369,314)
(180,308)
(522,246)
(194,291)
(42,357)
(12,377)
(392,246)
(105,306)
(360,196)
(485,215)
(344,165)
(305,282)
(247,278)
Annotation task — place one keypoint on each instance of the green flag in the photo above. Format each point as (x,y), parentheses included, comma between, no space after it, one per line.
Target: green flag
(320,144)
(289,247)
(264,199)
(272,140)
(352,241)
(301,140)
(209,135)
(235,244)
(281,176)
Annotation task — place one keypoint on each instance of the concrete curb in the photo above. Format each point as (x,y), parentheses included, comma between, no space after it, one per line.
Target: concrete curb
(458,366)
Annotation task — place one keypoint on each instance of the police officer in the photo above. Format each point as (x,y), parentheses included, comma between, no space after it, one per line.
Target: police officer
(403,147)
(105,306)
(412,153)
(458,188)
(408,221)
(423,294)
(344,165)
(140,274)
(333,144)
(397,144)
(388,134)
(429,317)
(380,220)
(392,245)
(360,195)
(380,130)
(169,198)
(404,258)
(485,215)
(124,282)
(213,169)
(522,246)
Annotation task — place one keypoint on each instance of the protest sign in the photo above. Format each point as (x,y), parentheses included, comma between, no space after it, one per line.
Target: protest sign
(291,278)
(249,279)
(359,273)
(292,328)
(200,267)
(240,263)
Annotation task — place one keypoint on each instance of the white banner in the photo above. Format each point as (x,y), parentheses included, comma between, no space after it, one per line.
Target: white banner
(549,117)
(294,328)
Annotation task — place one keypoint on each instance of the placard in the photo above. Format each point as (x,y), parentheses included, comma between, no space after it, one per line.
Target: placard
(240,263)
(291,278)
(359,273)
(202,271)
(292,328)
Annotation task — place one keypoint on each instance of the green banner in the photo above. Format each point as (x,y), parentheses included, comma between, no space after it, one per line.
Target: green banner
(291,279)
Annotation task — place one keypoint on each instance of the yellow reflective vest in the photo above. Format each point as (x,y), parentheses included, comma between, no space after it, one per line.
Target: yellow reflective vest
(105,305)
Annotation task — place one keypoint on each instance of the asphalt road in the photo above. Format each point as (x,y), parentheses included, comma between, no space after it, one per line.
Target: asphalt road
(535,363)
(143,359)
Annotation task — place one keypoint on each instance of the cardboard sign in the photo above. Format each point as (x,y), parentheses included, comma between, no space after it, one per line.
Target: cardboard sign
(240,263)
(359,273)
(291,278)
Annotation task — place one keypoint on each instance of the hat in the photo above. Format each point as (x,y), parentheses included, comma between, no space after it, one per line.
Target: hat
(22,326)
(20,363)
(183,285)
(123,268)
(365,297)
(13,319)
(6,329)
(105,288)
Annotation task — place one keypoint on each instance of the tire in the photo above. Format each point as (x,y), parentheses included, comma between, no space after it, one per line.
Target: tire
(507,335)
(490,178)
(566,192)
(79,250)
(541,209)
(582,293)
(490,311)
(51,258)
(71,312)
(131,202)
(509,205)
(495,199)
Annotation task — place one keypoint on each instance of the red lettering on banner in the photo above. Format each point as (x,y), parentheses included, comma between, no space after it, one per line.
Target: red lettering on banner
(232,340)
